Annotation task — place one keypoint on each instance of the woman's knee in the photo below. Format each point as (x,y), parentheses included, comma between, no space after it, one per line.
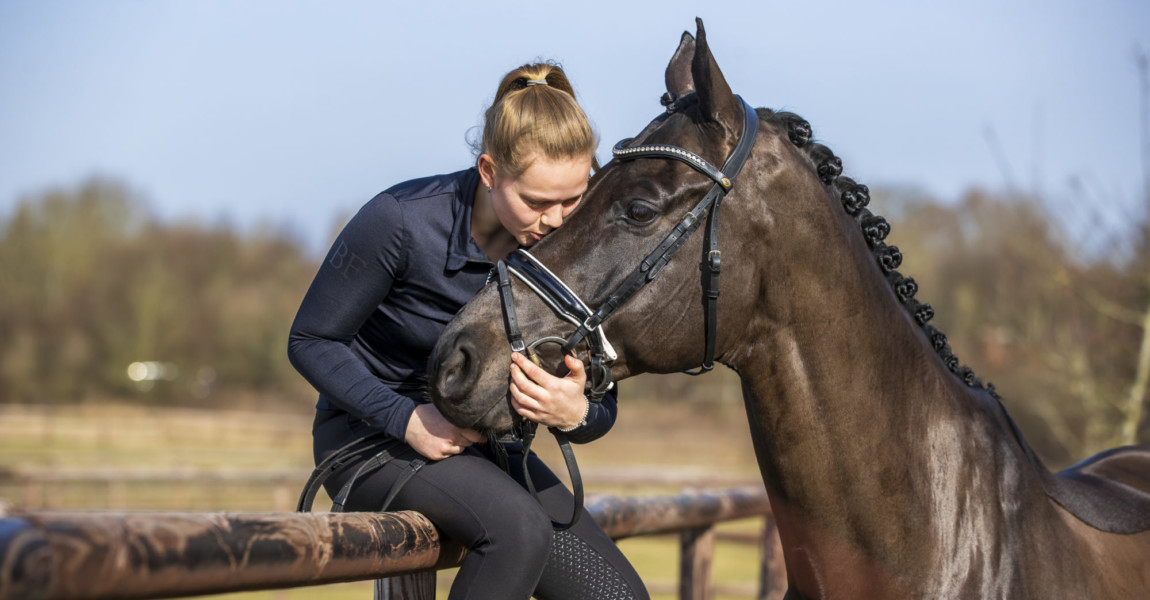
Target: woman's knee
(525,526)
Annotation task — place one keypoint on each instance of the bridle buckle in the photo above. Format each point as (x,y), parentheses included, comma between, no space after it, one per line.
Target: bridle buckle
(715,260)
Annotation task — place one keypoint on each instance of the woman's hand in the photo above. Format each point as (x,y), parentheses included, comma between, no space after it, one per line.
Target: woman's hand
(433,436)
(546,399)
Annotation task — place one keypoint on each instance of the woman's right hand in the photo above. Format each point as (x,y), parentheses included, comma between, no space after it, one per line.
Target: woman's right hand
(431,435)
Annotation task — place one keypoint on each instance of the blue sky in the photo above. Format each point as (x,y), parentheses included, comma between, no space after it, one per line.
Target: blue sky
(295,113)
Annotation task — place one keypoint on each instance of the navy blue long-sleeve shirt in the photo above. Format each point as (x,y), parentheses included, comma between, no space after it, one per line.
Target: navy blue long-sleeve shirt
(397,273)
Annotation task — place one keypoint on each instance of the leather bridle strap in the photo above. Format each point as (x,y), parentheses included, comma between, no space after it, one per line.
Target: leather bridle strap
(565,303)
(527,428)
(712,264)
(707,207)
(510,321)
(561,299)
(334,462)
(347,454)
(527,435)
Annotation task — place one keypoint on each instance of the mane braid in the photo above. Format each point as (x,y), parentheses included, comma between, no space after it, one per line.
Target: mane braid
(854,198)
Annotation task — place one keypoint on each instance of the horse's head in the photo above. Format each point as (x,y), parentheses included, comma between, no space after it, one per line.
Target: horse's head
(633,207)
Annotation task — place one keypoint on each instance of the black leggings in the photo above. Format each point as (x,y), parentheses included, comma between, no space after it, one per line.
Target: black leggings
(512,550)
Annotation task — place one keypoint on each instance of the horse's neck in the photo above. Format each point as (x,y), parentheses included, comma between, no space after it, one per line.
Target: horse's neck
(866,443)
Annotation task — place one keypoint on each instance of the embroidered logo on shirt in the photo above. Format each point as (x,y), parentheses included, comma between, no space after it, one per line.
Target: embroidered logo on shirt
(345,261)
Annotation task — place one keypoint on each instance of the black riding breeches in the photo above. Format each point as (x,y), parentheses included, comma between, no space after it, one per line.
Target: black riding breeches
(512,550)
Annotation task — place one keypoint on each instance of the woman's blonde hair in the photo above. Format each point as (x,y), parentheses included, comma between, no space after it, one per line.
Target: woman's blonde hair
(529,117)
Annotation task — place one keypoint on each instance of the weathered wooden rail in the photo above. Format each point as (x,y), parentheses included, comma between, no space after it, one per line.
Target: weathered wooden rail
(47,555)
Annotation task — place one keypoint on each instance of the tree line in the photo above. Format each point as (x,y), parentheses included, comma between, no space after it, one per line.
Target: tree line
(1052,308)
(93,287)
(93,284)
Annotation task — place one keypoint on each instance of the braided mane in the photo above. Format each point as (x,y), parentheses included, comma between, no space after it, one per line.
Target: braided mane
(855,197)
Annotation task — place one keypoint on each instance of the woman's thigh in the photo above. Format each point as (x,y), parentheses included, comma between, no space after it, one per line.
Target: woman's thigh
(584,561)
(491,513)
(467,496)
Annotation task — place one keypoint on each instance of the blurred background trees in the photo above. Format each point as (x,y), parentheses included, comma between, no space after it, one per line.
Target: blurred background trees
(91,284)
(1053,312)
(1036,298)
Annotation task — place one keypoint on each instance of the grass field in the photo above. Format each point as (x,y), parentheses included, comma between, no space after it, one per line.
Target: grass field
(131,457)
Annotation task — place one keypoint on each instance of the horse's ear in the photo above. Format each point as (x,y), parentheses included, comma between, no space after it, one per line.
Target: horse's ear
(680,82)
(716,101)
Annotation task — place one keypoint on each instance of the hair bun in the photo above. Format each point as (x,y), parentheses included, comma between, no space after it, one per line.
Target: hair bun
(511,134)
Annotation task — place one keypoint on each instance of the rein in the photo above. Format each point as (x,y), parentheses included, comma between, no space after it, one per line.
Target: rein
(567,305)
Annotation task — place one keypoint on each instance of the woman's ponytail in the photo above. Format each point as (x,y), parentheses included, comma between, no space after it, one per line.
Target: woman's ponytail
(535,113)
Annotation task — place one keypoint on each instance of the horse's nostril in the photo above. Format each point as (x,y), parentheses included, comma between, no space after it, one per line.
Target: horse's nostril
(457,373)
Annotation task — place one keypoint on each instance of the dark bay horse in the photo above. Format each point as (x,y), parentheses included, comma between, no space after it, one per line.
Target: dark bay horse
(892,470)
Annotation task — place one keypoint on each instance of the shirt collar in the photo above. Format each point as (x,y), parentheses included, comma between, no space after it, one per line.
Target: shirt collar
(461,247)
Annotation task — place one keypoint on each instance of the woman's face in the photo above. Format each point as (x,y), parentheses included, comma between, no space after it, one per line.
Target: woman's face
(532,204)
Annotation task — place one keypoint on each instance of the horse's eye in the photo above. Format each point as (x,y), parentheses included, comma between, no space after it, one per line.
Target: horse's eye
(640,213)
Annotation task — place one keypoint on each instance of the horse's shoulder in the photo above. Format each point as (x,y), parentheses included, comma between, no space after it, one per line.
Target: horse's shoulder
(1108,491)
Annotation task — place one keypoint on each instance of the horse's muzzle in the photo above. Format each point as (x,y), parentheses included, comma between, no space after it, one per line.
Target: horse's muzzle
(458,386)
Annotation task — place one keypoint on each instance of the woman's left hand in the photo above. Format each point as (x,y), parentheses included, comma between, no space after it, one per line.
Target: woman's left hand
(546,399)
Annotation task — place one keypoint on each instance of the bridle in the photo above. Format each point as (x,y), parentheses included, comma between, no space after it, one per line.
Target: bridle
(589,324)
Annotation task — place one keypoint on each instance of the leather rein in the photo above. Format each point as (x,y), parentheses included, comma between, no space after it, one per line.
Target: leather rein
(567,305)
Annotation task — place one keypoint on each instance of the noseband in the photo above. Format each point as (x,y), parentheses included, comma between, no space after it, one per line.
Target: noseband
(589,324)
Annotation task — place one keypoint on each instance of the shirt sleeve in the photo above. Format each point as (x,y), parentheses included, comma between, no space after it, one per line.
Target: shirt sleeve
(600,419)
(355,277)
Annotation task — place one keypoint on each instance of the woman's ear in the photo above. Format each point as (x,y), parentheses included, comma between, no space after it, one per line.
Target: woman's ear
(486,166)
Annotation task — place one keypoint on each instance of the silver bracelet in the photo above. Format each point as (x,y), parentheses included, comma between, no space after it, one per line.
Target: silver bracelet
(581,422)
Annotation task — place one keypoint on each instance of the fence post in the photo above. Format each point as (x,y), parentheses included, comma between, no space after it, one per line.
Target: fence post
(696,551)
(772,569)
(416,586)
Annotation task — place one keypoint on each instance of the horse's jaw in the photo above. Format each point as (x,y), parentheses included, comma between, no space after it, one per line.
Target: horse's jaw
(469,369)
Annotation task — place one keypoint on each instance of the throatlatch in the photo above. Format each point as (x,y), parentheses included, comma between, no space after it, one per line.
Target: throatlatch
(567,305)
(589,324)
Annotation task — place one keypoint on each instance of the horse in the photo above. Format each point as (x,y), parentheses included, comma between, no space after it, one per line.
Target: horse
(891,469)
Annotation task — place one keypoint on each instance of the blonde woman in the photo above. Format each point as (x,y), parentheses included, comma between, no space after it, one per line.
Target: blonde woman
(401,268)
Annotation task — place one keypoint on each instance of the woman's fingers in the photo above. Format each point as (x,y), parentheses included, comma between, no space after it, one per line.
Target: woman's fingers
(528,386)
(525,405)
(578,371)
(535,375)
(433,436)
(544,398)
(448,448)
(573,364)
(530,373)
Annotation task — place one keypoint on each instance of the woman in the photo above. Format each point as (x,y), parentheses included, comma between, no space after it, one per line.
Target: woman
(401,268)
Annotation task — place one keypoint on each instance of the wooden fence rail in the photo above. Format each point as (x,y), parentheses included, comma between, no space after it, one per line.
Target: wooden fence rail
(48,555)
